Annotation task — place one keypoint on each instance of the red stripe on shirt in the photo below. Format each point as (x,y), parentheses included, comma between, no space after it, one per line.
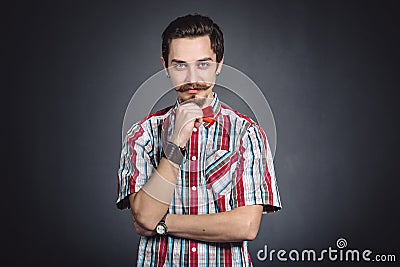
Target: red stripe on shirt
(135,172)
(267,175)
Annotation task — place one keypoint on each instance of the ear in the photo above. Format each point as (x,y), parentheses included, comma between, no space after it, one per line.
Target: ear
(165,66)
(218,71)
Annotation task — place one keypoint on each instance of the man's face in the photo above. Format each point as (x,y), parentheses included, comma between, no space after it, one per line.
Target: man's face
(192,67)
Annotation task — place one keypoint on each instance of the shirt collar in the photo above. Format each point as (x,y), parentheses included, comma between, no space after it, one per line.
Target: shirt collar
(216,106)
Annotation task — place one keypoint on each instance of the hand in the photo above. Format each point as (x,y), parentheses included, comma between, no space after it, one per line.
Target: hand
(188,116)
(141,230)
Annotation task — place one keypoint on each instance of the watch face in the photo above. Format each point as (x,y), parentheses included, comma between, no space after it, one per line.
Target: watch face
(160,229)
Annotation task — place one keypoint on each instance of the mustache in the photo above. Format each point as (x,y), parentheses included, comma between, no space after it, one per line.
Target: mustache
(194,86)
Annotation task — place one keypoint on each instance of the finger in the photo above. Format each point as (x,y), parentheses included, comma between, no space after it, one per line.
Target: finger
(193,118)
(188,105)
(198,122)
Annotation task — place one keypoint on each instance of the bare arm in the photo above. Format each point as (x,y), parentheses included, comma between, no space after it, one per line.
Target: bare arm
(146,210)
(232,226)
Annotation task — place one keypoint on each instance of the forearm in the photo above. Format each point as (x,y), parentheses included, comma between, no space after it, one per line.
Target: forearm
(232,226)
(147,209)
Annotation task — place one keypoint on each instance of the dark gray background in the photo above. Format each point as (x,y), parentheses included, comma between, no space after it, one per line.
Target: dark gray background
(328,68)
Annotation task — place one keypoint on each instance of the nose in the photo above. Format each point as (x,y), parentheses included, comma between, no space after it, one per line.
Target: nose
(191,75)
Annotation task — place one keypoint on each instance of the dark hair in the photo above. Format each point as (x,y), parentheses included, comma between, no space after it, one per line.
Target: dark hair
(194,25)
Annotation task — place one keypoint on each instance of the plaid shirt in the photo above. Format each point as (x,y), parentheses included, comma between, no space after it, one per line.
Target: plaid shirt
(228,164)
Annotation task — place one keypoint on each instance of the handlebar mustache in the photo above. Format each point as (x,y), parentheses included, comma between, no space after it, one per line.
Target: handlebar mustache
(192,86)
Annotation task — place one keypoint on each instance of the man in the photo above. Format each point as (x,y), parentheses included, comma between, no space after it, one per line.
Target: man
(197,179)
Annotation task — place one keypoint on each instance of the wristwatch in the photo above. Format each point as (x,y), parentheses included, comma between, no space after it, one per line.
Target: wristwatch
(174,153)
(161,228)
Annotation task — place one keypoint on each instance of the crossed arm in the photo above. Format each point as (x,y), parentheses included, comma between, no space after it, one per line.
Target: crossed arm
(236,225)
(231,226)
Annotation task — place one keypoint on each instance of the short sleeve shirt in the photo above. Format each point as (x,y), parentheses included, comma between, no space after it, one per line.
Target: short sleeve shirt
(228,164)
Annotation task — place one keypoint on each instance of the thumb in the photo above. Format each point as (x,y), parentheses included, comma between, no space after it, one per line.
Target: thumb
(198,122)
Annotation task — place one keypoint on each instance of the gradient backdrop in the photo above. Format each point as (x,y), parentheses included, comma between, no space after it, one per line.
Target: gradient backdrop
(329,70)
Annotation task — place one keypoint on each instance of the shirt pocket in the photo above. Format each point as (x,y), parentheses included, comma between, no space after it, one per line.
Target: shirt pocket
(220,165)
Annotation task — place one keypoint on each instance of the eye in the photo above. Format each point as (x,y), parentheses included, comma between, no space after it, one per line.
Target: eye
(203,64)
(180,66)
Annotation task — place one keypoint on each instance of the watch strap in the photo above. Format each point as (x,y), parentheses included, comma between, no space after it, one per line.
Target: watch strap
(174,153)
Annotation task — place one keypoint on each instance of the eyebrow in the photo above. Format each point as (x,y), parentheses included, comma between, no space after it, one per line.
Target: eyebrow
(182,61)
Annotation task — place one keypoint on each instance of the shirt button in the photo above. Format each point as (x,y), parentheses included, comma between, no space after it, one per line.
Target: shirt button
(193,249)
(193,157)
(194,188)
(194,129)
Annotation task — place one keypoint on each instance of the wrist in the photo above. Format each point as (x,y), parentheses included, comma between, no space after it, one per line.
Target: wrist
(174,153)
(175,165)
(168,221)
(162,228)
